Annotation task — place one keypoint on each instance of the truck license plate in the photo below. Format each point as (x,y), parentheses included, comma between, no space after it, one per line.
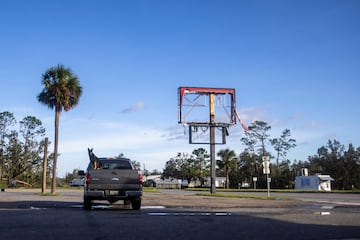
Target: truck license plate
(114,193)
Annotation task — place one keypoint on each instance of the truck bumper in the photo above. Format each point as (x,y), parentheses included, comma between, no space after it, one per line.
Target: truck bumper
(107,194)
(95,194)
(134,193)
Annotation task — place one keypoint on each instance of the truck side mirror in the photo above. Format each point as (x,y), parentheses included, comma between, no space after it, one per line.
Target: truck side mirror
(81,173)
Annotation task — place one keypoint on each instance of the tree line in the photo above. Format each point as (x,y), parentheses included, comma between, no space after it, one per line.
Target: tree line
(342,163)
(21,149)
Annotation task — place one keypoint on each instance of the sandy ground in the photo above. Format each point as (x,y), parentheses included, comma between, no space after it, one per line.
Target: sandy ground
(217,203)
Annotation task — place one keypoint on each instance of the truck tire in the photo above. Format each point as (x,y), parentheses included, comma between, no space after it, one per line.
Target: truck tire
(136,204)
(87,203)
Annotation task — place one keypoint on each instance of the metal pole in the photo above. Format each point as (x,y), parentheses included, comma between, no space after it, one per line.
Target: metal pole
(268,185)
(43,189)
(212,143)
(213,163)
(266,170)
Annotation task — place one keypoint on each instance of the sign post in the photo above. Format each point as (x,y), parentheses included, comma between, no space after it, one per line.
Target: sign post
(266,170)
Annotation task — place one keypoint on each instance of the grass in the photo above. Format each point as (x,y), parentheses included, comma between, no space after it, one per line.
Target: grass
(273,190)
(50,194)
(150,190)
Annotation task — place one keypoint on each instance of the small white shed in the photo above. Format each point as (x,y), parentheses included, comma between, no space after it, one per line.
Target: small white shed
(219,182)
(317,182)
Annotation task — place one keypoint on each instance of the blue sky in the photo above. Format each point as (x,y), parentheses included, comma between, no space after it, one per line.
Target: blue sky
(293,64)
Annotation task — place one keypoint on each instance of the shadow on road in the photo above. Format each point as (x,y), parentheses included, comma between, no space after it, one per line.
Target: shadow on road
(63,220)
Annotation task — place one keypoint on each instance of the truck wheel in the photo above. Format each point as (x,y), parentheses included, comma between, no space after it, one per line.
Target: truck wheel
(87,203)
(136,204)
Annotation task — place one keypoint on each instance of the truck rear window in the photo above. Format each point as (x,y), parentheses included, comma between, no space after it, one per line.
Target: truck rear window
(115,165)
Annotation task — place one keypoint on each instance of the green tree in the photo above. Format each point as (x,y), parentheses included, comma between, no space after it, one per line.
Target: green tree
(343,165)
(171,169)
(248,167)
(188,167)
(327,158)
(31,130)
(258,137)
(228,162)
(282,145)
(21,150)
(7,120)
(352,165)
(14,156)
(256,144)
(61,91)
(176,166)
(200,164)
(333,159)
(281,176)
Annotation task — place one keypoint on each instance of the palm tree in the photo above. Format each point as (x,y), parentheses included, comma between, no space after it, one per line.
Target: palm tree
(61,91)
(228,161)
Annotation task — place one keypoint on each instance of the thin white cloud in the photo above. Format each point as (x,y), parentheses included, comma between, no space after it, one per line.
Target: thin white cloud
(251,114)
(175,132)
(133,108)
(297,116)
(112,135)
(275,122)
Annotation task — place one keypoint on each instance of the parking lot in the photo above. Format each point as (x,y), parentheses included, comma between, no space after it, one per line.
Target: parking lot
(172,214)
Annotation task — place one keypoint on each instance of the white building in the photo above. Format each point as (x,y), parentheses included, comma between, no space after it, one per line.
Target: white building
(219,182)
(317,182)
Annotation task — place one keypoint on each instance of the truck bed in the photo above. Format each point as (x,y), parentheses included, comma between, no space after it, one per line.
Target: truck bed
(113,179)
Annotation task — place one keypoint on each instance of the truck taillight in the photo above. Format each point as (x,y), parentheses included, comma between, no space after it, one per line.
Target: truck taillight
(140,177)
(87,179)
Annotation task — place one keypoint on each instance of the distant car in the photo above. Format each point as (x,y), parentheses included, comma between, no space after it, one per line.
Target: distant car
(149,183)
(79,182)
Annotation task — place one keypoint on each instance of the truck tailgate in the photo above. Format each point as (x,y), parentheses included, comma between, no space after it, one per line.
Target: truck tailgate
(112,179)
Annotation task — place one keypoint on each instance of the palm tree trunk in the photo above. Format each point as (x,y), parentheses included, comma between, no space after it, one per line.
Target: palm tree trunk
(57,119)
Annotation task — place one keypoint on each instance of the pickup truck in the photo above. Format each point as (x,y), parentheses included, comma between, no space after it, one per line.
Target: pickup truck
(112,179)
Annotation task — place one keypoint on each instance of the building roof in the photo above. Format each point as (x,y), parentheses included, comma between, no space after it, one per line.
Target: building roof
(325,178)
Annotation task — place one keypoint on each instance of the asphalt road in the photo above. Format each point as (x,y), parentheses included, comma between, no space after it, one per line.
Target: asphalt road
(352,199)
(27,215)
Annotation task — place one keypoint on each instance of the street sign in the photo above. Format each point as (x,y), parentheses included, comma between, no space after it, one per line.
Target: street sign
(266,170)
(266,165)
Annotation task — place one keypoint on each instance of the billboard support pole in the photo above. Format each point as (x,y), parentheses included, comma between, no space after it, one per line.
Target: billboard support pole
(212,143)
